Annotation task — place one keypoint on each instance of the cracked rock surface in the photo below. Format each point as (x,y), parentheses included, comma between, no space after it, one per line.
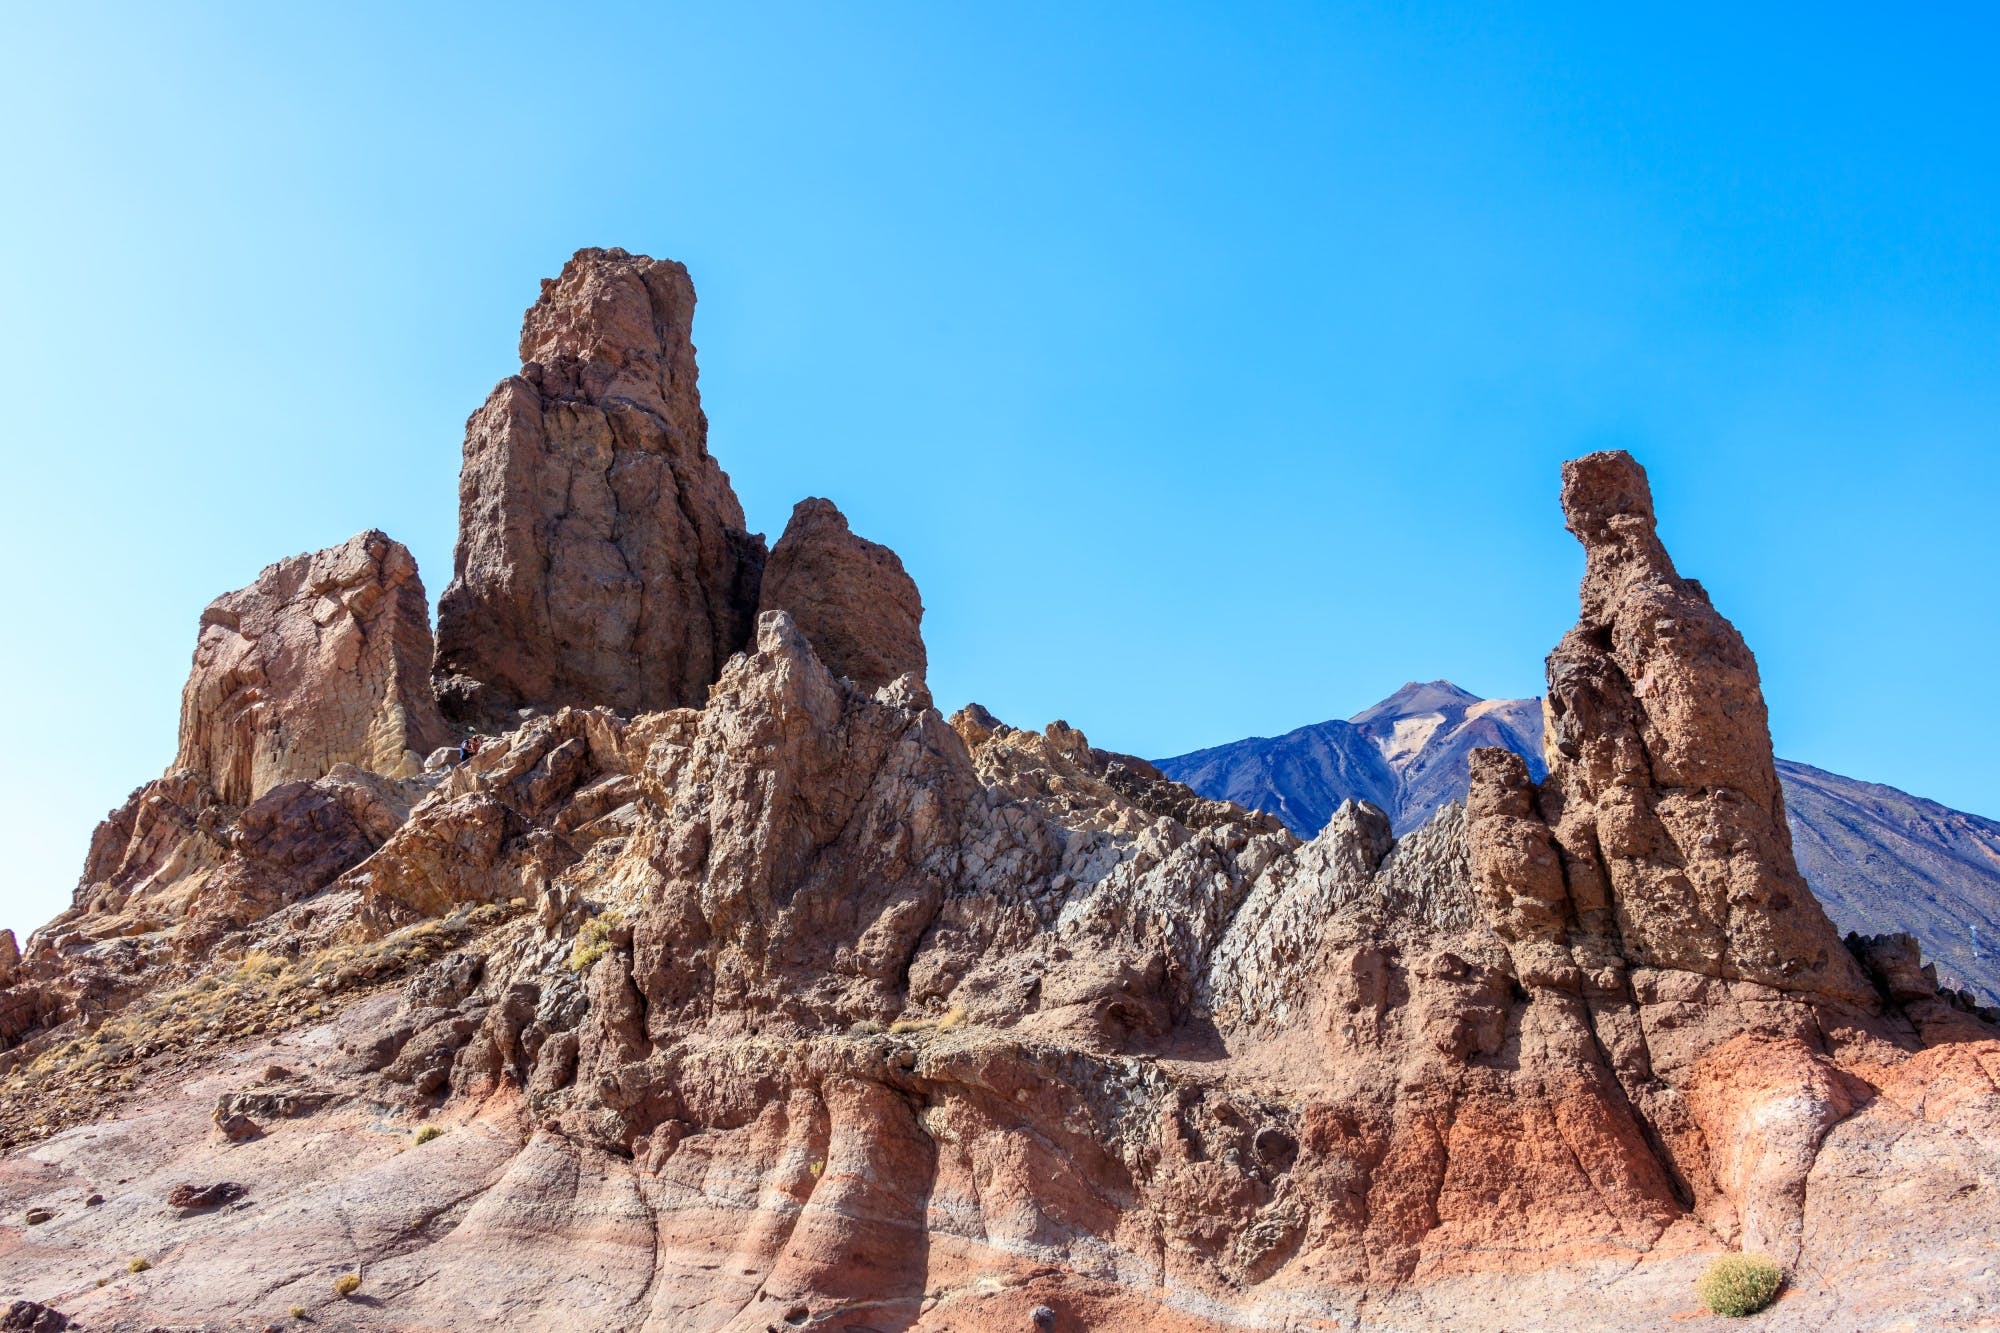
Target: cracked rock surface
(792,1002)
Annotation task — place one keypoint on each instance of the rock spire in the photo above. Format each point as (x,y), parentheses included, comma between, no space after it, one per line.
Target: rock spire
(602,556)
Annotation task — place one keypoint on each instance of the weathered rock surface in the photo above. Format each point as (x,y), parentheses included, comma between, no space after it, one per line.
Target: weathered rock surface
(1663,791)
(322,661)
(602,556)
(810,1008)
(850,596)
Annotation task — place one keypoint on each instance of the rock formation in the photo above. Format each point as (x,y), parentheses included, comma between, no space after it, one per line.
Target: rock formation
(602,557)
(323,660)
(1879,860)
(1664,796)
(850,596)
(807,1007)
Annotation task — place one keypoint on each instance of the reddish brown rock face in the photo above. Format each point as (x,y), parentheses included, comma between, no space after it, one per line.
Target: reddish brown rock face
(602,557)
(1659,837)
(849,595)
(1662,791)
(321,661)
(807,1008)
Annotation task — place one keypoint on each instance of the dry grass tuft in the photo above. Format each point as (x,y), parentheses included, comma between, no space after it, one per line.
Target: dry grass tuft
(953,1017)
(346,1285)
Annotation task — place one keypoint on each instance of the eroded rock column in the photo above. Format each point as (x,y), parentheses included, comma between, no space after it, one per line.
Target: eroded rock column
(602,556)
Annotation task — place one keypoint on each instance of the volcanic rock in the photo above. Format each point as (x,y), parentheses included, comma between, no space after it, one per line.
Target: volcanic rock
(807,1007)
(851,597)
(193,1198)
(237,1127)
(602,557)
(321,661)
(33,1317)
(1663,794)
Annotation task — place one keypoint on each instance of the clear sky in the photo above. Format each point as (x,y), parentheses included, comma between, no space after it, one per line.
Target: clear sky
(1209,366)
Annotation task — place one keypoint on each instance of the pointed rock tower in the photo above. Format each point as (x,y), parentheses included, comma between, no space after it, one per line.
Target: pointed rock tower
(602,556)
(1660,831)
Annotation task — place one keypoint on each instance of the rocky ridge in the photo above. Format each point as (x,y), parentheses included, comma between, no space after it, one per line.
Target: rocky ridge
(750,992)
(1879,860)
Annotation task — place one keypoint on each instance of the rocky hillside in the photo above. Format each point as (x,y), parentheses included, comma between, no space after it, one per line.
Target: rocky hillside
(1881,860)
(705,976)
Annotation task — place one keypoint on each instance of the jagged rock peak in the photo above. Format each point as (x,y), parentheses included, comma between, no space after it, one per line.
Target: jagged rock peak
(321,661)
(622,323)
(850,596)
(602,557)
(1662,798)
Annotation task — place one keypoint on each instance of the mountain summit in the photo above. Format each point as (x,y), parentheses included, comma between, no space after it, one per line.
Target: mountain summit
(1406,756)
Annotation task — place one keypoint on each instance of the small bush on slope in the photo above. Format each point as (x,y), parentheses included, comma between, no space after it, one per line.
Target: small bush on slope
(594,940)
(1739,1284)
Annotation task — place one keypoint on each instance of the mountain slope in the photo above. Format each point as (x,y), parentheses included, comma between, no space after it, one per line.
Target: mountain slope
(1880,859)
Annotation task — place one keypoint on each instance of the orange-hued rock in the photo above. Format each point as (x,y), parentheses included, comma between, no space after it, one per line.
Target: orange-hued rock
(850,596)
(322,661)
(749,993)
(602,557)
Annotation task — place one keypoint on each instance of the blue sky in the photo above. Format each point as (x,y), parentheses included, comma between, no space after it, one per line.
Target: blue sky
(1209,366)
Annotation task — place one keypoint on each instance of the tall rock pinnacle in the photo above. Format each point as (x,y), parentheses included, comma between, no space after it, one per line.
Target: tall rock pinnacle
(1662,802)
(602,556)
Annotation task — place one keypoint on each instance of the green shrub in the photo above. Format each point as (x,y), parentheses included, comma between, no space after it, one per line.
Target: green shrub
(1739,1284)
(594,940)
(139,1265)
(429,1132)
(347,1284)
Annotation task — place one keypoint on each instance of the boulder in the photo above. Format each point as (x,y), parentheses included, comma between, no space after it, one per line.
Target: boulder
(193,1198)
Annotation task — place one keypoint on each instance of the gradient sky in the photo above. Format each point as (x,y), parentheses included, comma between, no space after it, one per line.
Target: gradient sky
(1209,366)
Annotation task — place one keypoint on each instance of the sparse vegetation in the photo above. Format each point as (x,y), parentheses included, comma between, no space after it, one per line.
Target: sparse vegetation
(346,1285)
(429,1132)
(1739,1284)
(298,1312)
(594,940)
(261,992)
(953,1017)
(139,1265)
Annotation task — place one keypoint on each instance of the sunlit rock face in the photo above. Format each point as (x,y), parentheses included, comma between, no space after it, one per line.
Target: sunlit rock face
(602,557)
(788,1002)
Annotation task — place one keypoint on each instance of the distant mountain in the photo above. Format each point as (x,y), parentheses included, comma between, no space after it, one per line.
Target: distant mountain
(1406,756)
(1880,859)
